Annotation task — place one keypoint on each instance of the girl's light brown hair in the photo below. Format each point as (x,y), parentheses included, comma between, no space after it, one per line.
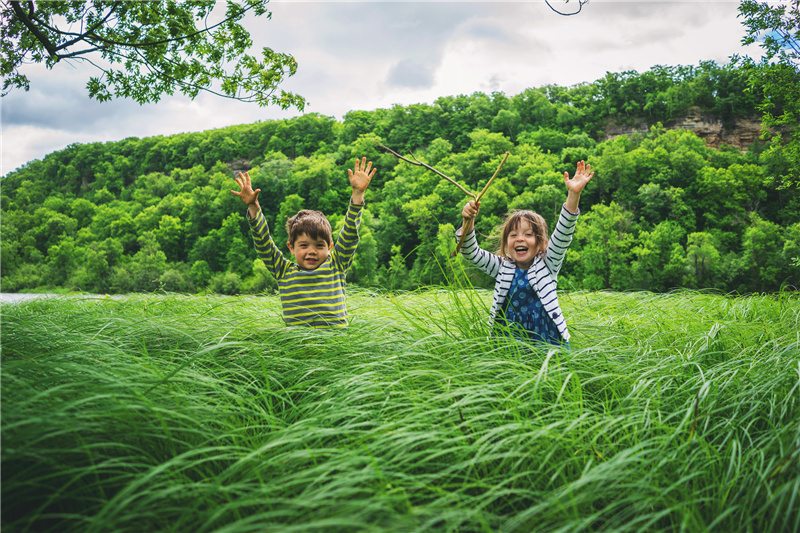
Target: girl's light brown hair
(312,223)
(514,221)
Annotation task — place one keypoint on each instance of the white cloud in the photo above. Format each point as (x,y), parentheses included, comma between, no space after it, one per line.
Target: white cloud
(364,55)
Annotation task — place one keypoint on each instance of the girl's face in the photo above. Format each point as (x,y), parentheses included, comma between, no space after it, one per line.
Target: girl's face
(521,245)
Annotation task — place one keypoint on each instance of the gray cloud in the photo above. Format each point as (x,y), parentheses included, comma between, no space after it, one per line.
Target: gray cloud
(358,30)
(410,73)
(644,15)
(488,30)
(58,99)
(495,82)
(362,55)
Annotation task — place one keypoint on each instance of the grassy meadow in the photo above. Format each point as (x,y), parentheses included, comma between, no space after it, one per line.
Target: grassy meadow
(671,412)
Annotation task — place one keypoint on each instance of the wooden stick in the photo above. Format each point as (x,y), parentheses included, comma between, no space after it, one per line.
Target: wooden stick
(419,163)
(465,223)
(468,223)
(503,162)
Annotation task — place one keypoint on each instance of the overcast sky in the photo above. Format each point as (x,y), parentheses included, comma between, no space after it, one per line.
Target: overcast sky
(373,54)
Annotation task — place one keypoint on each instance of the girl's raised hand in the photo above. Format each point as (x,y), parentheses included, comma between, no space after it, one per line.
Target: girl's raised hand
(247,194)
(582,177)
(470,210)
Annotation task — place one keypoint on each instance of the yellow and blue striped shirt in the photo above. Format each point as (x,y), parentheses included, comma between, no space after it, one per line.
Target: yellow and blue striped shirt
(313,298)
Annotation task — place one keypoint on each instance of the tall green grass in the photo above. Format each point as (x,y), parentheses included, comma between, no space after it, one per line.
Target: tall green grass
(674,412)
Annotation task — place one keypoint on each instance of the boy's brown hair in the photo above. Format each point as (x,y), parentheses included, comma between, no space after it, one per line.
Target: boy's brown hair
(513,222)
(312,223)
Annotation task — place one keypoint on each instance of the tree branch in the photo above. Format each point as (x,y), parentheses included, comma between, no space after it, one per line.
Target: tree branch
(182,84)
(580,6)
(90,31)
(90,35)
(419,163)
(465,223)
(26,20)
(163,41)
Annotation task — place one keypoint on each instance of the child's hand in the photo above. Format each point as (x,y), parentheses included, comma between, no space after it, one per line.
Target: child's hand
(247,194)
(471,210)
(582,177)
(360,176)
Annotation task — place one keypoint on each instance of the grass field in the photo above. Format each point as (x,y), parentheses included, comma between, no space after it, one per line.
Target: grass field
(675,412)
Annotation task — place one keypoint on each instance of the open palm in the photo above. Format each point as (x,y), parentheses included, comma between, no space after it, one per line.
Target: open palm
(581,178)
(247,194)
(360,176)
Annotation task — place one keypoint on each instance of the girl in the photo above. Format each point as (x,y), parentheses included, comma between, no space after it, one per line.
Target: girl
(526,266)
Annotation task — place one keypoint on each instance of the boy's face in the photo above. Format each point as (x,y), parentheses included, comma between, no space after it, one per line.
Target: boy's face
(309,253)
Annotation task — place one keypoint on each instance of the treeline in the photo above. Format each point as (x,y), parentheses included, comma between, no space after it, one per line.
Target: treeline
(663,210)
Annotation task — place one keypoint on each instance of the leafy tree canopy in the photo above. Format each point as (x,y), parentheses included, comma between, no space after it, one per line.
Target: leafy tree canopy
(144,50)
(665,209)
(775,25)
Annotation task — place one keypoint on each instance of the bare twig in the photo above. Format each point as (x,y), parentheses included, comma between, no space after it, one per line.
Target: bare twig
(419,163)
(503,162)
(580,6)
(467,223)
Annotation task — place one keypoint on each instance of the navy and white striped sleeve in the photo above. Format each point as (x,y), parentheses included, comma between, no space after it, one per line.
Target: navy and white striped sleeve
(547,292)
(560,241)
(487,262)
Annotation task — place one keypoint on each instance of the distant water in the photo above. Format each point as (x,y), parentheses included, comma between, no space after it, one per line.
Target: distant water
(13,297)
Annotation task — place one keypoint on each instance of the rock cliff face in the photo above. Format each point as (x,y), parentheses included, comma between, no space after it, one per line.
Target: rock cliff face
(740,132)
(239,165)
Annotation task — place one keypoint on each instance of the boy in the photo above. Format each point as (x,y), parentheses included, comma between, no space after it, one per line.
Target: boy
(312,290)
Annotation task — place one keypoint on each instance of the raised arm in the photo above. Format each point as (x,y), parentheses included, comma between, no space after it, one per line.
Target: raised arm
(360,177)
(470,211)
(575,185)
(344,248)
(482,259)
(265,246)
(247,194)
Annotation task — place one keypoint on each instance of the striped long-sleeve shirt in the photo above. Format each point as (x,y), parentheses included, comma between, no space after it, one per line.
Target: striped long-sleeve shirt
(542,274)
(313,298)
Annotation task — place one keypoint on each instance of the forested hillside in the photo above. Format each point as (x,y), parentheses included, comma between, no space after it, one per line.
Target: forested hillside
(664,209)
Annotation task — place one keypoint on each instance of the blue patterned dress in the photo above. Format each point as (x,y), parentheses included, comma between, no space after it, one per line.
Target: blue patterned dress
(524,313)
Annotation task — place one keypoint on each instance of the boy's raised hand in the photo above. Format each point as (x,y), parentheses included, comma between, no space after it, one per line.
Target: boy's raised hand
(582,177)
(360,176)
(247,194)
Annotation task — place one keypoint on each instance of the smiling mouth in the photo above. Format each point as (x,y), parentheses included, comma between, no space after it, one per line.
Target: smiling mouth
(520,249)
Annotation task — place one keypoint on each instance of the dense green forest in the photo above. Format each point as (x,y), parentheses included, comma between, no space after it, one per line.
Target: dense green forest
(664,210)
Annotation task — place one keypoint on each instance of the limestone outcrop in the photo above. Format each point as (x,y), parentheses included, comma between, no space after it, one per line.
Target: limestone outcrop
(740,132)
